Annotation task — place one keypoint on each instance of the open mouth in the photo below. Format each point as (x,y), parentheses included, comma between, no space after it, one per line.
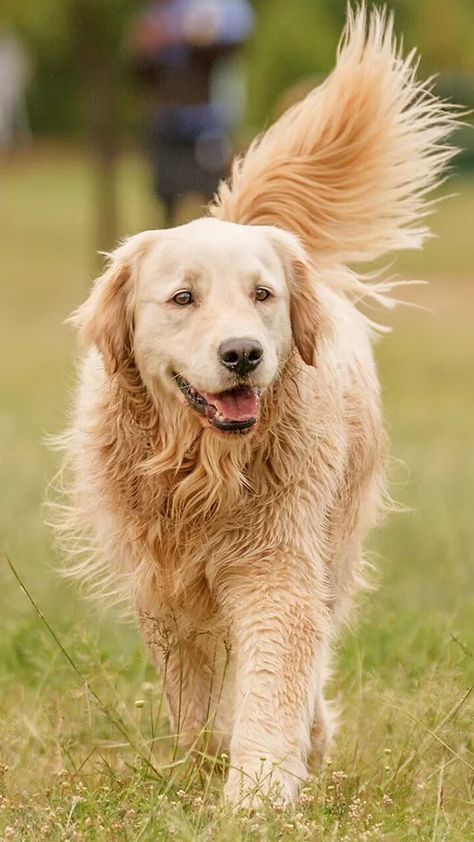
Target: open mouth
(232,411)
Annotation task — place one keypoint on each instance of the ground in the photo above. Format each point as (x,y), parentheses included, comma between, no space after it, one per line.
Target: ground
(85,751)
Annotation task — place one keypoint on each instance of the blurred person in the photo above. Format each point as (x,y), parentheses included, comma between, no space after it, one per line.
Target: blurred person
(181,49)
(14,78)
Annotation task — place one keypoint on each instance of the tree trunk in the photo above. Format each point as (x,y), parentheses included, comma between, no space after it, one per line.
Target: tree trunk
(98,72)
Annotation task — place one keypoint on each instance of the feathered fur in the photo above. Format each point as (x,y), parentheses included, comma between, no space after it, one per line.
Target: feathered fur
(348,169)
(242,555)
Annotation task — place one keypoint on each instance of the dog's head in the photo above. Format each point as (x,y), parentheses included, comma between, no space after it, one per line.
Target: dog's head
(209,312)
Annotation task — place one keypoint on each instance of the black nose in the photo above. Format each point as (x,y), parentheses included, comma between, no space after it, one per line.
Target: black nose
(240,355)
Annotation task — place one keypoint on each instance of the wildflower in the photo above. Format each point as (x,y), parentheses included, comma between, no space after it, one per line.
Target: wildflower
(306,797)
(355,808)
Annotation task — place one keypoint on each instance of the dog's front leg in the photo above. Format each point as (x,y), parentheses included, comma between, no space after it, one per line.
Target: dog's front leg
(277,634)
(183,673)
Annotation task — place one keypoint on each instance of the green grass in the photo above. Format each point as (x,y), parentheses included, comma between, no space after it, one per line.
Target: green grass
(77,762)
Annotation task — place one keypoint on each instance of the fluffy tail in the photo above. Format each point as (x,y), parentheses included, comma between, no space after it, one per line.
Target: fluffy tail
(348,168)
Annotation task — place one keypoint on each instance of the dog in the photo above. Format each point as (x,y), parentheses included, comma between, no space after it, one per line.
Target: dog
(227,452)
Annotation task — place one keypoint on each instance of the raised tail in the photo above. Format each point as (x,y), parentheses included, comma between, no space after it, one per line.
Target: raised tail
(348,168)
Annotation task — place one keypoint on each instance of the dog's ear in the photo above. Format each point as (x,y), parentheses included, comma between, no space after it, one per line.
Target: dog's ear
(305,313)
(309,323)
(106,318)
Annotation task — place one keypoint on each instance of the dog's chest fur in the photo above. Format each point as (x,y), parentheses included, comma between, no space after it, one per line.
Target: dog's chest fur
(182,510)
(190,504)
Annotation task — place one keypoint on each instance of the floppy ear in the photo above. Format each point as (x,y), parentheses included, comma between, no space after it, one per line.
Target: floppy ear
(309,323)
(106,318)
(305,314)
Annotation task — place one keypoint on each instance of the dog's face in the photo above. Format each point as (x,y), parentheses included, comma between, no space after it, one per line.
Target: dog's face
(212,319)
(210,311)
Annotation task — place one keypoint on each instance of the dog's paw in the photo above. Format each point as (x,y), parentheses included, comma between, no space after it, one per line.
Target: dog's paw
(250,784)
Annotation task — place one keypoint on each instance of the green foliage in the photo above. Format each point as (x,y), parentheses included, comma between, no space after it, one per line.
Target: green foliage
(293,41)
(56,34)
(444,34)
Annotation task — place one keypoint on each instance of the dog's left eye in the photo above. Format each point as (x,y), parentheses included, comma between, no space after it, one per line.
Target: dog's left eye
(183,298)
(261,294)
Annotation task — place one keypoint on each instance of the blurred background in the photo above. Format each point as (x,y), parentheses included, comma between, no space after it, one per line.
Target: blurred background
(116,116)
(121,83)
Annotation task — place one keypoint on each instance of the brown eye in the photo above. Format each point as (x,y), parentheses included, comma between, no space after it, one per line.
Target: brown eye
(183,298)
(261,294)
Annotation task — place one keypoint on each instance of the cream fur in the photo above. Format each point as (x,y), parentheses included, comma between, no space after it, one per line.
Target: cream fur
(242,554)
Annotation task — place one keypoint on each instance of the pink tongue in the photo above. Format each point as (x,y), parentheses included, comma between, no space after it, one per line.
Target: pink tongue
(235,405)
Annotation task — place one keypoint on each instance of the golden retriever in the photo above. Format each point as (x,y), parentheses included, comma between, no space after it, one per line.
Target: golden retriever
(226,456)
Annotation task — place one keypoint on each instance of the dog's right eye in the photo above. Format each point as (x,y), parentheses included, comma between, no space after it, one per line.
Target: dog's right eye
(183,298)
(262,293)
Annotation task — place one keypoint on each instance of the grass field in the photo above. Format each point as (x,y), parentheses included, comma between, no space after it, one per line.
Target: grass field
(79,760)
